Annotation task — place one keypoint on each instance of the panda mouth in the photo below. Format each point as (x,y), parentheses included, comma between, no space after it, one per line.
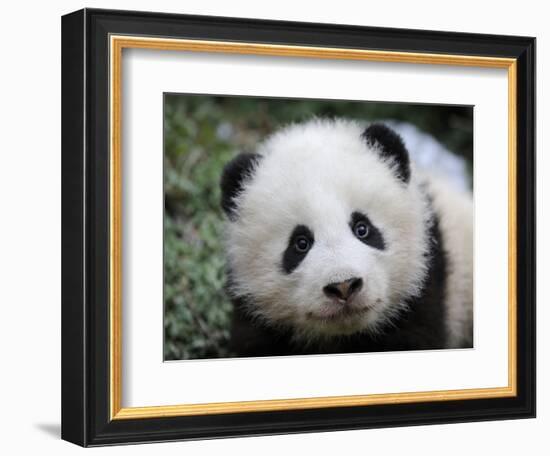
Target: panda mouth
(334,313)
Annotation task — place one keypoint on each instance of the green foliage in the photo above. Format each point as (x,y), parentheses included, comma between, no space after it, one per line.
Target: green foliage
(202,133)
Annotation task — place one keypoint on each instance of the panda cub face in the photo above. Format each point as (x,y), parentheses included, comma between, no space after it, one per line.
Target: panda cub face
(327,231)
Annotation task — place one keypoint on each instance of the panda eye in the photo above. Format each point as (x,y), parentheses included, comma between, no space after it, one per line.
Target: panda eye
(302,244)
(361,230)
(365,231)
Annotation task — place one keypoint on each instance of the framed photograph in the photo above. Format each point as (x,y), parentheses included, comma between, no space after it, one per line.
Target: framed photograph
(278,227)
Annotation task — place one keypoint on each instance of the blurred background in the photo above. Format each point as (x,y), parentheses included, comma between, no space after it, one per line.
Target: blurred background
(201,134)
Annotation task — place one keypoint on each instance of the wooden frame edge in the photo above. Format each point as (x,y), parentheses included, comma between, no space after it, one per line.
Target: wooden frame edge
(512,227)
(165,411)
(116,45)
(115,232)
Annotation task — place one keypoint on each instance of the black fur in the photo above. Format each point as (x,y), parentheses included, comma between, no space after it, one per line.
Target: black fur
(291,257)
(390,146)
(234,174)
(375,238)
(422,327)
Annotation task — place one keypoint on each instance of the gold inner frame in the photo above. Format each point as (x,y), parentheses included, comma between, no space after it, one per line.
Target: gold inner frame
(117,44)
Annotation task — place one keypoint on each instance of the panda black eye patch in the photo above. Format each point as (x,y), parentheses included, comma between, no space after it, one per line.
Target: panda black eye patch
(365,231)
(299,244)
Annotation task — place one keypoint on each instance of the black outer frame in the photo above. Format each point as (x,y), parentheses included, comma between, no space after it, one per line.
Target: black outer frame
(85,227)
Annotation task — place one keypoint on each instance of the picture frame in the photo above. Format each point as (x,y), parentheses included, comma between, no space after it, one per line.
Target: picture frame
(92,45)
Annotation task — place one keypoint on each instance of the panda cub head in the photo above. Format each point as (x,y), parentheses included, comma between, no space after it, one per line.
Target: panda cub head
(328,228)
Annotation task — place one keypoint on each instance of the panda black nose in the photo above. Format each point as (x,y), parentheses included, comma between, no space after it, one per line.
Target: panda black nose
(344,290)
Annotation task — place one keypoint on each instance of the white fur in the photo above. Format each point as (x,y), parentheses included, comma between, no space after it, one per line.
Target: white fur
(316,174)
(455,210)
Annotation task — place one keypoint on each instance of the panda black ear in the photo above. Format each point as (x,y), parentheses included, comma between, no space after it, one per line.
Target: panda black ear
(390,146)
(234,174)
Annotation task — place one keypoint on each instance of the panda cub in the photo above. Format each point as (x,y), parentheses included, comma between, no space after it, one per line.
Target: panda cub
(337,242)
